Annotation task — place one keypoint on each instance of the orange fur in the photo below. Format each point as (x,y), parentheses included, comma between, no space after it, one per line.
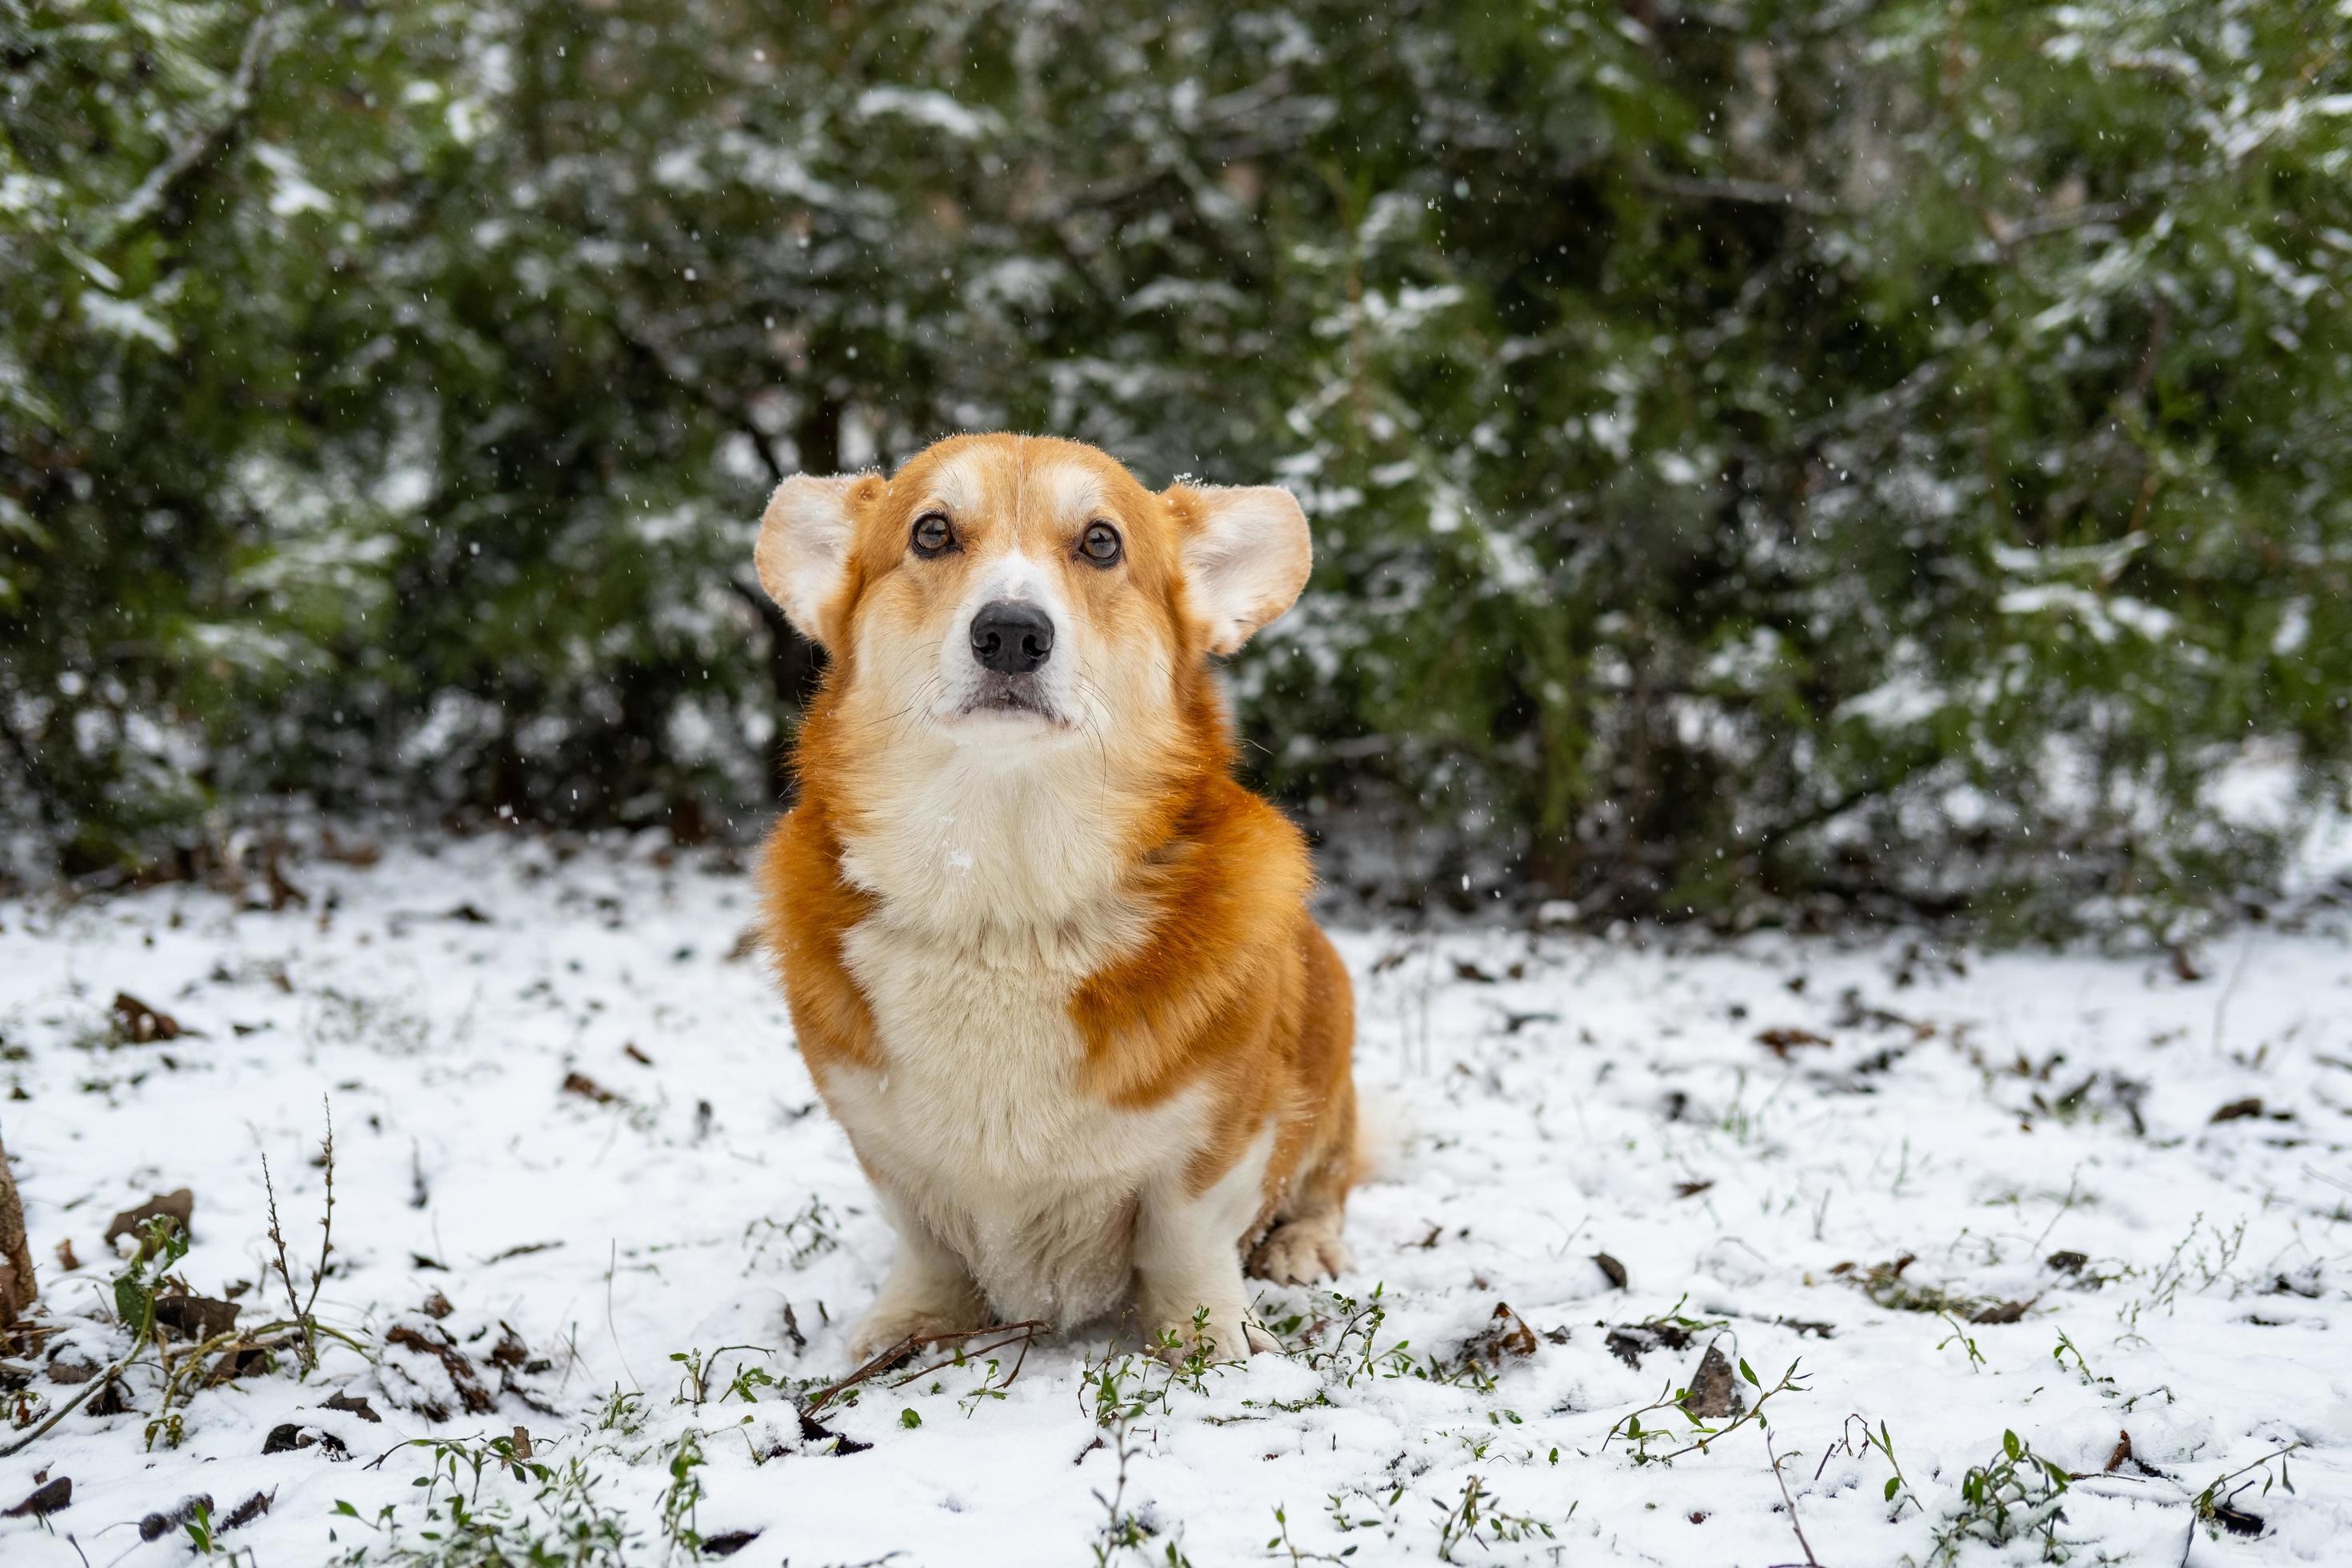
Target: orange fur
(1200,998)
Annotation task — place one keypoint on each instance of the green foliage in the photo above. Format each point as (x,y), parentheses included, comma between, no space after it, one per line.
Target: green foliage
(1476,1515)
(2016,1495)
(161,1243)
(559,1521)
(1766,461)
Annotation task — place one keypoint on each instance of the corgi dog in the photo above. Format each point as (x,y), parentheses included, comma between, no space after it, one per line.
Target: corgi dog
(1051,967)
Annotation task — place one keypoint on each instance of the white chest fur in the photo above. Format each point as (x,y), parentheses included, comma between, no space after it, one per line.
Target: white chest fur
(978,1125)
(997,894)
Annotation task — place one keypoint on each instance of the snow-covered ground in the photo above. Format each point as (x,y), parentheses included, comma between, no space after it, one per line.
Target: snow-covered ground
(581,1184)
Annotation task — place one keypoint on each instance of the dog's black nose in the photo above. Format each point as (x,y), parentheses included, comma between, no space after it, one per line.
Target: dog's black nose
(1012,638)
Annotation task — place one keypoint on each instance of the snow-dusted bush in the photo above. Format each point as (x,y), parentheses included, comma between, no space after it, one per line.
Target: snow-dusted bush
(1766,459)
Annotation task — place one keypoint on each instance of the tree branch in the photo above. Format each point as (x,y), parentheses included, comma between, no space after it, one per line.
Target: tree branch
(1750,192)
(197,151)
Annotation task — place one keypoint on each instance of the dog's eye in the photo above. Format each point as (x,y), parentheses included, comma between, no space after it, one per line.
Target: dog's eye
(932,536)
(1099,544)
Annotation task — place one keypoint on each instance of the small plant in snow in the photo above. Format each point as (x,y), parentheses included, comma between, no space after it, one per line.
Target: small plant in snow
(2218,1509)
(300,1310)
(808,1234)
(683,1496)
(1354,1350)
(1281,1545)
(2065,1348)
(2017,1495)
(1898,1486)
(2207,1266)
(561,1522)
(1122,1392)
(1345,1508)
(700,1372)
(1479,1510)
(1700,1434)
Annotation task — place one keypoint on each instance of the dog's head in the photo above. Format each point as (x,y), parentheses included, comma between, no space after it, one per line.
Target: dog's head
(1017,592)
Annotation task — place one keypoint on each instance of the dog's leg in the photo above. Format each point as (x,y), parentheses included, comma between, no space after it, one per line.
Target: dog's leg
(929,1292)
(1188,1259)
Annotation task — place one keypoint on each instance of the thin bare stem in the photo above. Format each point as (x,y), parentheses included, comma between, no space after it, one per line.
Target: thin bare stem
(899,1354)
(1774,1459)
(277,1238)
(326,1249)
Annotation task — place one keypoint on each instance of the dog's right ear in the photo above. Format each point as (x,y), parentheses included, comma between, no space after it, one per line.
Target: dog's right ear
(803,556)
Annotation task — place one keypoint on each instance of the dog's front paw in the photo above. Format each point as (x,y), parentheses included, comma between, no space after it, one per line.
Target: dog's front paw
(1301,1252)
(892,1324)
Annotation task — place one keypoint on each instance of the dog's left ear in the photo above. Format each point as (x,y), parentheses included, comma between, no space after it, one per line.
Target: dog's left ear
(1246,556)
(803,556)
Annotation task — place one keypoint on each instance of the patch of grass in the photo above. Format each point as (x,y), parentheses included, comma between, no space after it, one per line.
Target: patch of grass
(700,1373)
(2192,1266)
(1282,1543)
(561,1523)
(1479,1513)
(805,1235)
(1700,1434)
(1897,1490)
(1121,1394)
(2217,1509)
(1346,1517)
(2016,1495)
(683,1497)
(1343,1341)
(1886,1286)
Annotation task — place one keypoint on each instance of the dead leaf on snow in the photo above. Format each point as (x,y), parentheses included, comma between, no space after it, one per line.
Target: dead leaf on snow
(290,1435)
(180,1206)
(1629,1342)
(71,1371)
(197,1318)
(1713,1392)
(2004,1312)
(1781,1041)
(587,1088)
(727,1542)
(139,1024)
(2237,1521)
(47,1499)
(1506,1335)
(461,1372)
